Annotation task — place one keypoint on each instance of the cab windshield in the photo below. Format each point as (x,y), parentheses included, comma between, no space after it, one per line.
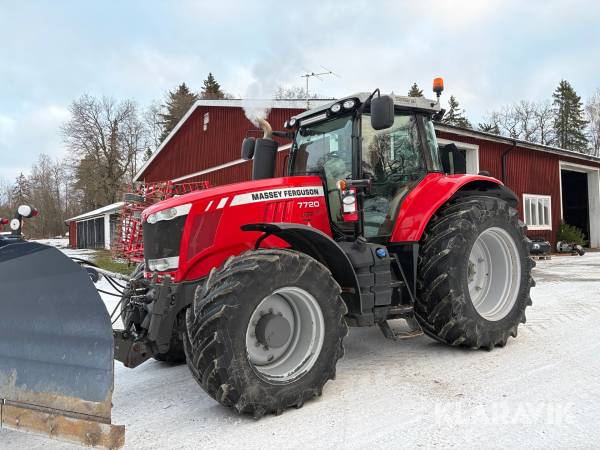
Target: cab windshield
(325,149)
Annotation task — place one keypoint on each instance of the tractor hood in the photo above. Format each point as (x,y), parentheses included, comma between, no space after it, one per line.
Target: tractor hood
(191,234)
(224,194)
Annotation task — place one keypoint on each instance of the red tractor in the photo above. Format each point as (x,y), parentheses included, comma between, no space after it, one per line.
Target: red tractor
(255,284)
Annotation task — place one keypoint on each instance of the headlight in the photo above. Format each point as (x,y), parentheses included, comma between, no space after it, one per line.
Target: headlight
(169,213)
(292,122)
(163,264)
(336,108)
(349,104)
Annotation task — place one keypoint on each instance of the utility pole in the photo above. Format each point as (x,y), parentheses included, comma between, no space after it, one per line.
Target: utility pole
(318,75)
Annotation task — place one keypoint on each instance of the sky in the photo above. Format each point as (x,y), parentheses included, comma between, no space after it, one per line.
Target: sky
(490,53)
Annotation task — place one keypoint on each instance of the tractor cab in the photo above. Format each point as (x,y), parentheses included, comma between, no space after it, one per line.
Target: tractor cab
(370,152)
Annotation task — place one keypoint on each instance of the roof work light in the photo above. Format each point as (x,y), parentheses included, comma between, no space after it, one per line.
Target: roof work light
(438,86)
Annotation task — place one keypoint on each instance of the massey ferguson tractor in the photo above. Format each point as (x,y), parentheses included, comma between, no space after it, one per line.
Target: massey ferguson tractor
(255,284)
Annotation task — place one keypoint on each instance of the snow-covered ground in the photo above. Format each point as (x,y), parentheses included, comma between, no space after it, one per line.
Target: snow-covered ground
(542,390)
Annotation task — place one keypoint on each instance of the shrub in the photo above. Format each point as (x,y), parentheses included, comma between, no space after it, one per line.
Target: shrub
(571,234)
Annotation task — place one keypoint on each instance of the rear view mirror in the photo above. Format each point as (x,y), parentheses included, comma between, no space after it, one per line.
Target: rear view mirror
(382,112)
(248,145)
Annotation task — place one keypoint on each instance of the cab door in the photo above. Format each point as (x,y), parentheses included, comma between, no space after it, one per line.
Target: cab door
(393,159)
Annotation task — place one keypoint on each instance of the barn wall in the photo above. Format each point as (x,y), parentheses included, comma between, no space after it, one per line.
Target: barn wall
(192,149)
(241,172)
(73,234)
(527,172)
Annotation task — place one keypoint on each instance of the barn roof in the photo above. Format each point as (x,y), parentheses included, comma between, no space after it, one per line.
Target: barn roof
(97,212)
(517,142)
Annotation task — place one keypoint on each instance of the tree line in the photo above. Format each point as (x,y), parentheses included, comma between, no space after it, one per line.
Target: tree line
(107,141)
(562,121)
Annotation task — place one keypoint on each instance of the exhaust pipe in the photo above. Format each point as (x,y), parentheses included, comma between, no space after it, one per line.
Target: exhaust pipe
(266,127)
(265,153)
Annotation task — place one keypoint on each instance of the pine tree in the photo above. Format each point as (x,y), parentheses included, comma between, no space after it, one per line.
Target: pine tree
(489,127)
(147,154)
(211,90)
(569,121)
(415,91)
(21,191)
(177,104)
(454,115)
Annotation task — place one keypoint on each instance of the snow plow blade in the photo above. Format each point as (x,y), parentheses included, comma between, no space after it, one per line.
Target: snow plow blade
(56,349)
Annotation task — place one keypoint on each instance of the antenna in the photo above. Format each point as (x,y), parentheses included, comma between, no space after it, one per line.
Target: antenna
(318,76)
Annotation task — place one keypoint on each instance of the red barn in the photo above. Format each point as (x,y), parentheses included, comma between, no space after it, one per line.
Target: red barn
(205,144)
(553,184)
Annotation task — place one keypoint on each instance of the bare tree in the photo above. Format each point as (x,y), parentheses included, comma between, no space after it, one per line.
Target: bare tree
(525,116)
(154,124)
(293,93)
(6,188)
(592,110)
(544,117)
(525,120)
(46,194)
(105,138)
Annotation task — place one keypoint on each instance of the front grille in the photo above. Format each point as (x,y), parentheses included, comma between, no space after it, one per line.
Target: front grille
(162,239)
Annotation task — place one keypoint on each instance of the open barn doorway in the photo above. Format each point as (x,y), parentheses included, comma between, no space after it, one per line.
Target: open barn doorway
(575,200)
(580,199)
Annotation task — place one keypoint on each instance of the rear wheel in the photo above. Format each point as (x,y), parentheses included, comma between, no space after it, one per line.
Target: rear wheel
(265,331)
(474,273)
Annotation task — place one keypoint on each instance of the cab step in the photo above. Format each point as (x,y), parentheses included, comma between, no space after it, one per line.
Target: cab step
(396,335)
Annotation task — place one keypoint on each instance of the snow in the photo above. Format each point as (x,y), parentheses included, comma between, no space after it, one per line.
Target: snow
(541,390)
(61,243)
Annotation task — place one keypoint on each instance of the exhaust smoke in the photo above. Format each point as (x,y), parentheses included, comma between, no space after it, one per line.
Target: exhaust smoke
(266,77)
(256,111)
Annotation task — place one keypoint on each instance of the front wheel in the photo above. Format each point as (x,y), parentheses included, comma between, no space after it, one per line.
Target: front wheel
(265,331)
(474,273)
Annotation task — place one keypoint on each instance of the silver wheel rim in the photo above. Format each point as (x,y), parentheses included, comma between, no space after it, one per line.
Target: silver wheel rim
(494,274)
(294,347)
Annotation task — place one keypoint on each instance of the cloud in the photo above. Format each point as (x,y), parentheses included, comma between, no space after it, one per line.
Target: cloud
(7,128)
(29,133)
(490,53)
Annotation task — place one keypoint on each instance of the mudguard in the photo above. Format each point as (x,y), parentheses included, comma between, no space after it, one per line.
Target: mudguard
(432,192)
(315,243)
(56,348)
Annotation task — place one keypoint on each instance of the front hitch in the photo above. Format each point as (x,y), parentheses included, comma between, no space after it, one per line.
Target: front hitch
(131,348)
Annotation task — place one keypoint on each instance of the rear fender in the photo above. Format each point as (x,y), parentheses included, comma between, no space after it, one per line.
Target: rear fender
(321,247)
(435,190)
